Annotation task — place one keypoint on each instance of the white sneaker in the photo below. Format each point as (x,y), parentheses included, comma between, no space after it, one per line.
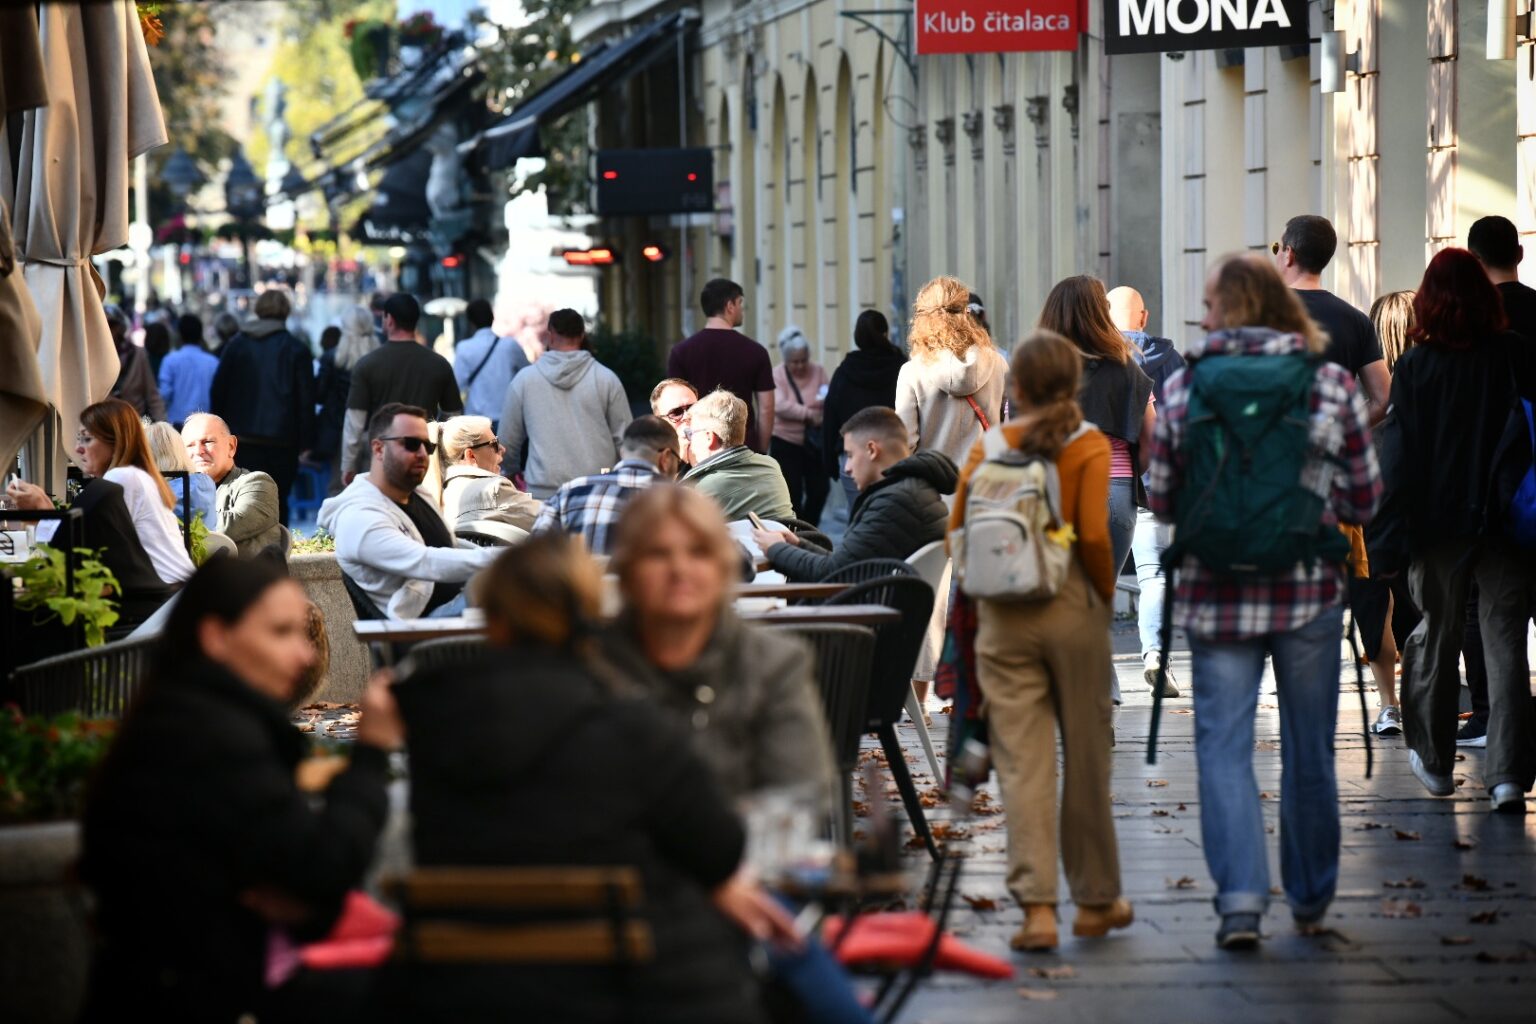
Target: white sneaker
(1508,798)
(1389,722)
(1149,663)
(1438,785)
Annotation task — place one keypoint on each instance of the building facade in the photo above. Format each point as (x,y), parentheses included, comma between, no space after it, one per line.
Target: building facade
(849,171)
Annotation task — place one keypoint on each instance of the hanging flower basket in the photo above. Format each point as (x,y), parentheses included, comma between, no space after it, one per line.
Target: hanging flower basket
(420,30)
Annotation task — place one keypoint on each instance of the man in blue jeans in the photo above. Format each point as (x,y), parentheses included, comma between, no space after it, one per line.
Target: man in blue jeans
(1294,616)
(1158,357)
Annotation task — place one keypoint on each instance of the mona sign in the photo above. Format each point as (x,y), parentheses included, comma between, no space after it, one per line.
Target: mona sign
(1162,26)
(996,26)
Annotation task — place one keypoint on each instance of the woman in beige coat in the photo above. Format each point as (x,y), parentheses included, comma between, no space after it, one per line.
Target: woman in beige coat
(951,390)
(474,494)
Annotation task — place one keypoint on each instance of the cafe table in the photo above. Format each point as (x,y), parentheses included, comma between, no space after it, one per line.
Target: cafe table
(380,634)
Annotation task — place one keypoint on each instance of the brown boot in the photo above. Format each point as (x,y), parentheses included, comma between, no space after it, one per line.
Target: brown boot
(1096,922)
(1038,935)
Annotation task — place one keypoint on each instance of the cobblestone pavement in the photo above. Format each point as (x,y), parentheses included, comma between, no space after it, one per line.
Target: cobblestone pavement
(1435,918)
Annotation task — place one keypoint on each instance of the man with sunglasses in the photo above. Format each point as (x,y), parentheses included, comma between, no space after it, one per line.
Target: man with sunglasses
(389,538)
(672,400)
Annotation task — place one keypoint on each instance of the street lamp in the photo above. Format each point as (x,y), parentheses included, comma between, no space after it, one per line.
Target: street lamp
(243,200)
(181,174)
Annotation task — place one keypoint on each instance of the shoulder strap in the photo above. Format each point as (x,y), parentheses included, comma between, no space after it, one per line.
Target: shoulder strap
(496,340)
(979,414)
(793,386)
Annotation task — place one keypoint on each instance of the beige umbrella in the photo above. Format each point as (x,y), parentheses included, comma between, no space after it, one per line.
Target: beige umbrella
(22,399)
(69,190)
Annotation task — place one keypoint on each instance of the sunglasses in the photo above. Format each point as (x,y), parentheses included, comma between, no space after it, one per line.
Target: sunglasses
(492,443)
(413,444)
(677,414)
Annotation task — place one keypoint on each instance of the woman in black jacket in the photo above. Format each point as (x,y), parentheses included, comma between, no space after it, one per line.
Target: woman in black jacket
(197,841)
(1455,397)
(866,377)
(589,779)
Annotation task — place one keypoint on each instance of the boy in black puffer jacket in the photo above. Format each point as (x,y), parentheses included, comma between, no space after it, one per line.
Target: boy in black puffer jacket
(900,506)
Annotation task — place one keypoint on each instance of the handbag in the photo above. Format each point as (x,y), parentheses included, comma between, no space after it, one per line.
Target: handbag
(812,434)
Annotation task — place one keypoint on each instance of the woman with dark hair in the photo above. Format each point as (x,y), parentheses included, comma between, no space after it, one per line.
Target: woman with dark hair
(1116,396)
(865,377)
(197,842)
(1460,430)
(608,781)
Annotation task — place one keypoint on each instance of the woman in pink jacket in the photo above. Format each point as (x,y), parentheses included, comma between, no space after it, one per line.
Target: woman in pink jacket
(799,385)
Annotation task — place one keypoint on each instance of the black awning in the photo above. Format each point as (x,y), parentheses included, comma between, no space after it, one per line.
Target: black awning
(517,134)
(399,213)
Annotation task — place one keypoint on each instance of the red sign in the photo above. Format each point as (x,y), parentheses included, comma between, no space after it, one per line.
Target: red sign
(997,26)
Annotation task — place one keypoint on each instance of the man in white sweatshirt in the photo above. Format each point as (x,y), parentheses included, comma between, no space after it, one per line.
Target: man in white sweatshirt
(570,408)
(390,539)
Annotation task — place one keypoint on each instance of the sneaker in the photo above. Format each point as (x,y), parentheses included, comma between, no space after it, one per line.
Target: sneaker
(1238,931)
(1473,733)
(1149,663)
(1507,798)
(1438,785)
(1389,722)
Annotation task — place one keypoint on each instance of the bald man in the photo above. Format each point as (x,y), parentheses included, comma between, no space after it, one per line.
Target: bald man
(1160,360)
(248,505)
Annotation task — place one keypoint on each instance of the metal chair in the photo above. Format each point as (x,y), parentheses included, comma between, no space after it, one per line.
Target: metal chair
(843,654)
(98,682)
(807,531)
(890,679)
(451,651)
(869,569)
(932,563)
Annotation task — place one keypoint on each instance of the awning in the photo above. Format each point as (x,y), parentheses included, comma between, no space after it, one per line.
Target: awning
(517,134)
(399,214)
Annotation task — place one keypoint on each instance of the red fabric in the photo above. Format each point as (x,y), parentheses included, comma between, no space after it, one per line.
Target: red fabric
(902,938)
(363,936)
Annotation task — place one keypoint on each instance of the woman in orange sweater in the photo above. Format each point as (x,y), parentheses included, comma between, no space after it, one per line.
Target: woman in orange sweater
(1041,664)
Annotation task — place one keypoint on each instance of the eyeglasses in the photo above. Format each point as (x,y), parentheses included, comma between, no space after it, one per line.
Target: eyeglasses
(1274,248)
(496,442)
(82,439)
(676,415)
(413,444)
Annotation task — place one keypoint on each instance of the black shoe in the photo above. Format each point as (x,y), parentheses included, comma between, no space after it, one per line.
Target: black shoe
(1238,932)
(1473,733)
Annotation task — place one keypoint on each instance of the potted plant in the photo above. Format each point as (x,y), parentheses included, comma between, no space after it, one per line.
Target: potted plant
(40,589)
(44,948)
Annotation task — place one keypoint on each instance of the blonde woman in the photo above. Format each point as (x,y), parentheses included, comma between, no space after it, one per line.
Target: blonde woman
(474,495)
(952,387)
(170,456)
(1383,609)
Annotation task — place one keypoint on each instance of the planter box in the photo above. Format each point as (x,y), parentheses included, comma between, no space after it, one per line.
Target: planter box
(44,936)
(321,578)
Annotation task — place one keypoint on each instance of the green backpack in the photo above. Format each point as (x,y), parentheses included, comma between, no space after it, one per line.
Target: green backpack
(1242,510)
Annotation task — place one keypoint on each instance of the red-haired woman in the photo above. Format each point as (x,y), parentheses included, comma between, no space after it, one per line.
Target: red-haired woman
(1455,393)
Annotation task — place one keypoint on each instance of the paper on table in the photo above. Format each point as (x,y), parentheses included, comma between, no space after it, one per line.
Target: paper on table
(46,529)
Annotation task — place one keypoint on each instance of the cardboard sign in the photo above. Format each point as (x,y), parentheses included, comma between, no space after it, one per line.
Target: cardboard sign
(996,26)
(1165,26)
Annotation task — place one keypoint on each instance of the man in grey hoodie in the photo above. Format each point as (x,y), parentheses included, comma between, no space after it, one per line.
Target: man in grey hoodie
(570,408)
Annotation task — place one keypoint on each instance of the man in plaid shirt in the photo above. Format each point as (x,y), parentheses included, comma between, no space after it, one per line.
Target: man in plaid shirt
(1294,617)
(591,505)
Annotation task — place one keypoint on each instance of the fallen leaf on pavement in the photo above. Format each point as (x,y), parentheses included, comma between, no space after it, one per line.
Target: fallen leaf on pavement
(1486,917)
(1264,796)
(1159,813)
(1181,807)
(1367,826)
(1463,843)
(1039,995)
(1411,837)
(1401,908)
(1405,883)
(1180,711)
(1053,973)
(980,903)
(1472,883)
(1157,783)
(1455,940)
(1183,883)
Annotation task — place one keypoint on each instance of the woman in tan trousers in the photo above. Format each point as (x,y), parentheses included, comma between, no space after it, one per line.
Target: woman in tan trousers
(1042,664)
